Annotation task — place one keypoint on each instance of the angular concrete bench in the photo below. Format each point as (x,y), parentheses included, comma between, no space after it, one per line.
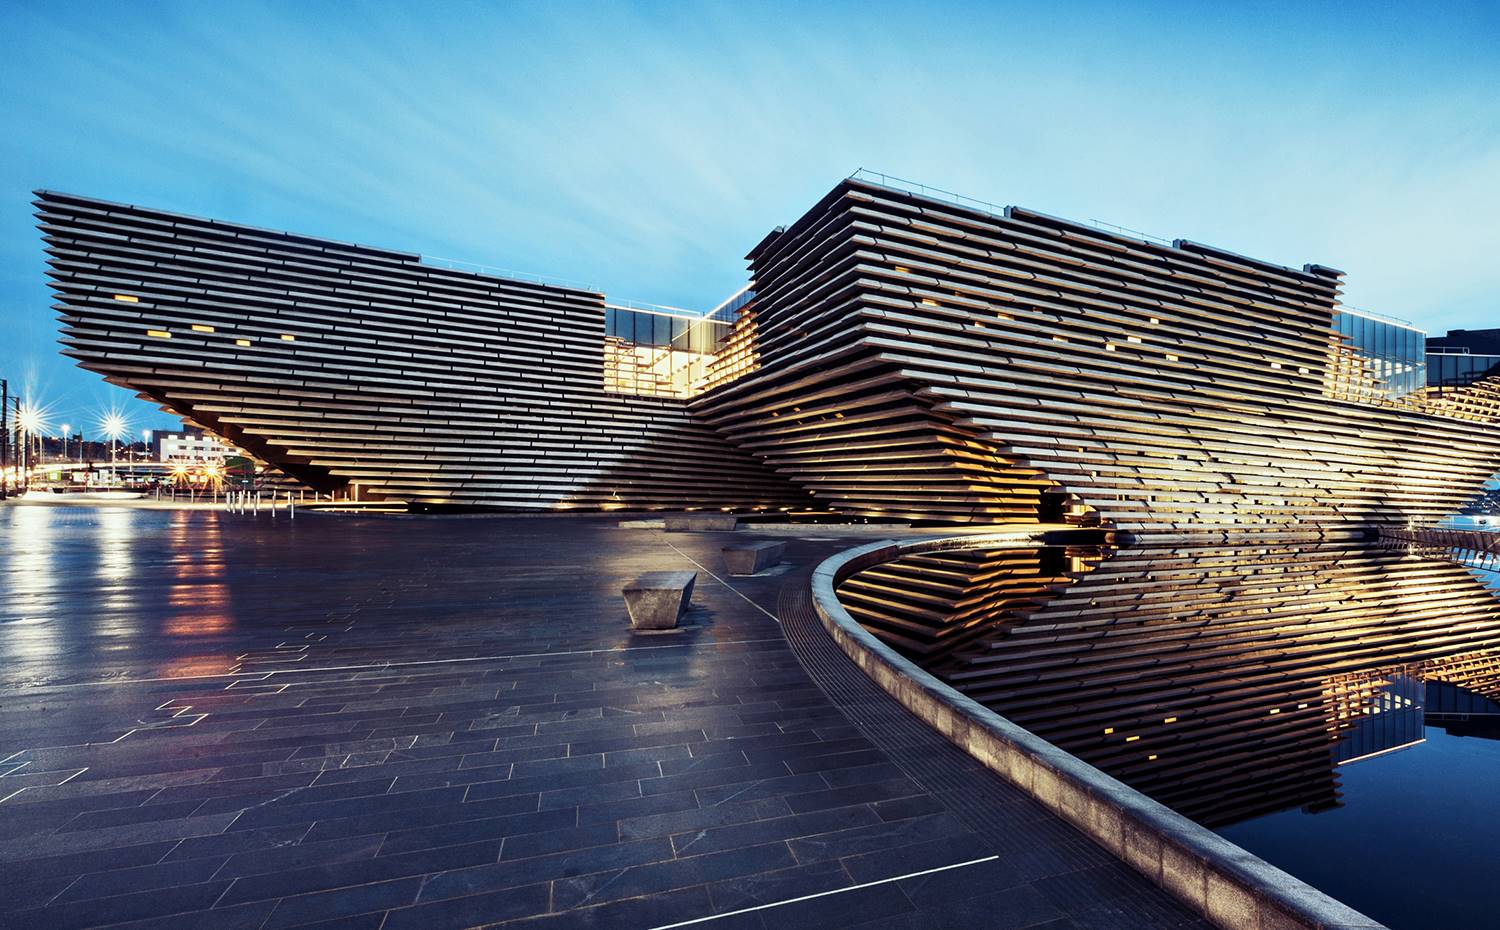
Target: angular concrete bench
(752,558)
(656,600)
(699,522)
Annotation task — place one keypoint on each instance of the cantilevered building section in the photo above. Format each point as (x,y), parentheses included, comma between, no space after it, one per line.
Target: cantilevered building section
(351,367)
(896,354)
(920,357)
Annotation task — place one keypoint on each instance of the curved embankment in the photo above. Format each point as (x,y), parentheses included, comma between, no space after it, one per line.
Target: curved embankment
(1226,884)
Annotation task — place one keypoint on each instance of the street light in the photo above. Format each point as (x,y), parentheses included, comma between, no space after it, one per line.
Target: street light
(113,427)
(30,421)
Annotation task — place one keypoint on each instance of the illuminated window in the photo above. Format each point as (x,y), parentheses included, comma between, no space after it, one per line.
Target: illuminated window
(158,333)
(288,337)
(665,353)
(902,269)
(1109,347)
(1134,338)
(1170,720)
(1151,758)
(1131,739)
(1059,339)
(1108,730)
(1155,321)
(242,342)
(200,328)
(929,302)
(1171,357)
(127,298)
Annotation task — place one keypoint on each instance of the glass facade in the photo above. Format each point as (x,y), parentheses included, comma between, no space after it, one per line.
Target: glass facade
(1391,354)
(658,353)
(1457,367)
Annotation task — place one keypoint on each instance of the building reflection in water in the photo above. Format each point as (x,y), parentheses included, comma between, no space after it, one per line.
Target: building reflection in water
(114,541)
(1225,681)
(197,596)
(30,597)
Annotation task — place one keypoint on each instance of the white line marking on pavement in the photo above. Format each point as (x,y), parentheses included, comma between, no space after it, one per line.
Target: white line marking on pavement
(823,894)
(725,583)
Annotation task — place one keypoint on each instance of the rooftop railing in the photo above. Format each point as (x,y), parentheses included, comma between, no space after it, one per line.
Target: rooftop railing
(984,206)
(510,274)
(1379,317)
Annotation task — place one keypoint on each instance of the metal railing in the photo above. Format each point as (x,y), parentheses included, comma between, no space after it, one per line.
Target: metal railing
(984,206)
(1460,350)
(509,274)
(1475,548)
(1378,317)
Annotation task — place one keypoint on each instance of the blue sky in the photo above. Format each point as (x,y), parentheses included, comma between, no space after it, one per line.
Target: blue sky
(645,148)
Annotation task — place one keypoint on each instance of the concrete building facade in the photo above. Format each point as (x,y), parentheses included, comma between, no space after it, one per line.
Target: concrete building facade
(897,353)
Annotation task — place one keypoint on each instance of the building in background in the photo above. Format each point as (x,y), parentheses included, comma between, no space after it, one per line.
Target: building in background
(192,447)
(1462,357)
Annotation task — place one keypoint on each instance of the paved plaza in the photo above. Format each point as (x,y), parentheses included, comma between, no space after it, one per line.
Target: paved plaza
(246,721)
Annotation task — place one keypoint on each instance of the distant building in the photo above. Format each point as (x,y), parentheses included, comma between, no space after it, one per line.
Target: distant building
(1462,357)
(192,447)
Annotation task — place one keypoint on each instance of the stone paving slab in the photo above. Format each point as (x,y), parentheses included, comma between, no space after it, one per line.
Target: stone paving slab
(212,720)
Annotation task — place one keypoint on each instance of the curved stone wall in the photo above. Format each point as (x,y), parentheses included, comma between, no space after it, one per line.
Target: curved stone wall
(1228,885)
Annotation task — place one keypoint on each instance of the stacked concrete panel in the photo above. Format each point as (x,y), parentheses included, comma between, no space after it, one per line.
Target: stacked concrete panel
(927,359)
(902,356)
(355,367)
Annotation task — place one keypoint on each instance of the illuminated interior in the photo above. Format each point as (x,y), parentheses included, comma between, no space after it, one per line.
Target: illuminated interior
(661,352)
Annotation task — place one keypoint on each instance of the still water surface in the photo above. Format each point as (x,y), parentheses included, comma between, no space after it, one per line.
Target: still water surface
(1416,841)
(1278,693)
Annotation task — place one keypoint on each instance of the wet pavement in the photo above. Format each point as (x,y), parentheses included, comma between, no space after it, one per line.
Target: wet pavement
(218,720)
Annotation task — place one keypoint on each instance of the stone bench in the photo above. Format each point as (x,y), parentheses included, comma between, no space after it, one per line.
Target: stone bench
(699,522)
(752,558)
(656,600)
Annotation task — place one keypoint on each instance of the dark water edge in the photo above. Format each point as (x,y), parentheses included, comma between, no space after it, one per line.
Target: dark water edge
(1416,843)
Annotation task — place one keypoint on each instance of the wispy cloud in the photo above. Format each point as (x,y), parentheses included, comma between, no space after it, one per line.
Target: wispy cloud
(645,148)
